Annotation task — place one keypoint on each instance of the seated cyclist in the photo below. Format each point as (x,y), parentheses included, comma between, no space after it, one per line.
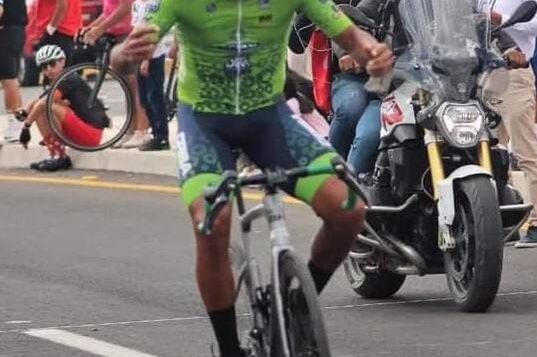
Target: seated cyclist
(80,123)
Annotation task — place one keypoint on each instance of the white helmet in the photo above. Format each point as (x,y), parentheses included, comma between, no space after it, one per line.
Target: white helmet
(48,53)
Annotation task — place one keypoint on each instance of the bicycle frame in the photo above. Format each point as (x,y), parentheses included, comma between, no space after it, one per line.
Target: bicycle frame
(272,210)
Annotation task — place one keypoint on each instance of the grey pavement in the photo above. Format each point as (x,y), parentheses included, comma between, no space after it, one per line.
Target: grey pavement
(117,266)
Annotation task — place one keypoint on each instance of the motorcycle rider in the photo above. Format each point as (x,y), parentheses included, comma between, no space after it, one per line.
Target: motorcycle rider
(355,127)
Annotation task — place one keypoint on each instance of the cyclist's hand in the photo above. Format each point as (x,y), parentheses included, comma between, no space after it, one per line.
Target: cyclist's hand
(141,43)
(25,136)
(93,34)
(381,60)
(144,68)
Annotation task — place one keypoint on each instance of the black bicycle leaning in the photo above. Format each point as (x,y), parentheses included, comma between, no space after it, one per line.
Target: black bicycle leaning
(285,318)
(107,86)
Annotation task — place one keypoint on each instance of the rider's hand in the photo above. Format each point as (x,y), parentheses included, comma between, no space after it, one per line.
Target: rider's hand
(93,34)
(144,68)
(516,59)
(348,64)
(381,60)
(140,44)
(25,136)
(376,57)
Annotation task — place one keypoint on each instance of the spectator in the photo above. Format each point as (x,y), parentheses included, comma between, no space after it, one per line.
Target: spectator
(518,106)
(151,81)
(82,124)
(57,22)
(13,19)
(115,21)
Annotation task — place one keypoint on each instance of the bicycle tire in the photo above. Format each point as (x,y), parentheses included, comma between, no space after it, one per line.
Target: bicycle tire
(301,313)
(128,102)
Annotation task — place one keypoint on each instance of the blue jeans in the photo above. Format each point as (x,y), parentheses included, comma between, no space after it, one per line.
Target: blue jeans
(152,97)
(355,128)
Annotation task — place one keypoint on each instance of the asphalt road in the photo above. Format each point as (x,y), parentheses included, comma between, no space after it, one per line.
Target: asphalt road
(110,271)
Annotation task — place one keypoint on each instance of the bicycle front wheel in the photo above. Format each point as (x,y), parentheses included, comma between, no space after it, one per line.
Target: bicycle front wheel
(299,315)
(104,97)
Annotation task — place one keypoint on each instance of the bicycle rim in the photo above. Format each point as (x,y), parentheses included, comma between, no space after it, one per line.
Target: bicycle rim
(304,326)
(114,88)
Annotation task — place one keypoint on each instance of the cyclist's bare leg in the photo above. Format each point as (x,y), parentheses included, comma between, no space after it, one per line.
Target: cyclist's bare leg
(339,230)
(39,115)
(213,269)
(215,278)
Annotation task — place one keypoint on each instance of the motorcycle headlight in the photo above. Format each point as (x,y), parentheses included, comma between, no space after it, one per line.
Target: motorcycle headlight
(462,124)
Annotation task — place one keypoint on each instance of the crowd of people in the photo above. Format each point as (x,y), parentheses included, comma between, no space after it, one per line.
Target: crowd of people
(53,28)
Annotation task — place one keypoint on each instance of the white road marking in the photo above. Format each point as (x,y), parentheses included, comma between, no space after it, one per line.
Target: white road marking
(417,301)
(83,343)
(18,322)
(195,318)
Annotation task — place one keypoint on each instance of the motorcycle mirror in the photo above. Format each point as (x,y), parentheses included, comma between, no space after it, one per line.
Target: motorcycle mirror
(524,13)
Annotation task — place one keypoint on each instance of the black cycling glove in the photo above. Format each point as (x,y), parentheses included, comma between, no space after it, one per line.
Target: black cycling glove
(25,136)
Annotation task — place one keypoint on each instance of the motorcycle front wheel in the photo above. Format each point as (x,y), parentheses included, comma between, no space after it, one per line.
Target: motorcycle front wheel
(474,266)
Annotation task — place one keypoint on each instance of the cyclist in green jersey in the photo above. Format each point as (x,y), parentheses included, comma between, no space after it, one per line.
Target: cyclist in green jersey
(231,80)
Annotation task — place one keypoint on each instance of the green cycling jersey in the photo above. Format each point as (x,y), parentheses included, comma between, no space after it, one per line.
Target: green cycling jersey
(233,52)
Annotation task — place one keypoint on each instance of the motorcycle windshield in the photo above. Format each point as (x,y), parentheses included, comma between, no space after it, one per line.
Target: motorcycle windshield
(445,36)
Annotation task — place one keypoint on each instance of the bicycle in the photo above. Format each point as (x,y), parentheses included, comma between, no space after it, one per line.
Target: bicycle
(105,84)
(286,319)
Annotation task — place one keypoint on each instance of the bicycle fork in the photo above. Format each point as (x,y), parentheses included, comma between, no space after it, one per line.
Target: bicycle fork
(272,209)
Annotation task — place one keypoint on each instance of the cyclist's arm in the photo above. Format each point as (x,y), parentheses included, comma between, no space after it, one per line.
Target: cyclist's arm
(363,47)
(142,41)
(59,13)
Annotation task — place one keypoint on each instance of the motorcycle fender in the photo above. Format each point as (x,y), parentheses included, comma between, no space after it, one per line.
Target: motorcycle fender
(446,198)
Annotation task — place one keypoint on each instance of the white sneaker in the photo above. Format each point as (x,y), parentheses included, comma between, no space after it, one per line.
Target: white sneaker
(138,139)
(119,144)
(13,131)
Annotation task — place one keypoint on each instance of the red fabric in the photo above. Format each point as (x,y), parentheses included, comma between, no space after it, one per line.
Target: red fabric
(80,132)
(124,26)
(321,60)
(70,23)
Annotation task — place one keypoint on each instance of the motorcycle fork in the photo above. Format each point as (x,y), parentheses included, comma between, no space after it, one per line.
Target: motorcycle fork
(485,160)
(435,160)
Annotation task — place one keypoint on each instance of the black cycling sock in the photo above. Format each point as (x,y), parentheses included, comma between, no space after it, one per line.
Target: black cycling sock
(320,276)
(225,328)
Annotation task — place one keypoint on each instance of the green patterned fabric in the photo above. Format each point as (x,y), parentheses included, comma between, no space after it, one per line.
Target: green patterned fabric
(233,52)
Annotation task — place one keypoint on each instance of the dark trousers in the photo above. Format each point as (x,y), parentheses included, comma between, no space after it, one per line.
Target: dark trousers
(152,97)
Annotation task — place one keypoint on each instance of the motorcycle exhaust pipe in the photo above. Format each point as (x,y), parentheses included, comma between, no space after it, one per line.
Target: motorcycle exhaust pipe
(409,253)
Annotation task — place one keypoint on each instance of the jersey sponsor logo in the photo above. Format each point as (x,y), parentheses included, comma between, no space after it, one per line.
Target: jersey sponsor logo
(211,7)
(264,4)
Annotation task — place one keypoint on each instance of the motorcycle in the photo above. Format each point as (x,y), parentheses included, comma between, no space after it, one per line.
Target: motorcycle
(439,201)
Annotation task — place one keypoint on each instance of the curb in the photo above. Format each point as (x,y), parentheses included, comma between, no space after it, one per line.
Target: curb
(126,160)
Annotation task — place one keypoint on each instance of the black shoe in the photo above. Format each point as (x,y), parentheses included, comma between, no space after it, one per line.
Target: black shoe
(155,145)
(51,165)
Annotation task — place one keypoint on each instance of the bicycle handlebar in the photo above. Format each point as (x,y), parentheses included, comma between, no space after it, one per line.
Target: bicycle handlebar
(217,197)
